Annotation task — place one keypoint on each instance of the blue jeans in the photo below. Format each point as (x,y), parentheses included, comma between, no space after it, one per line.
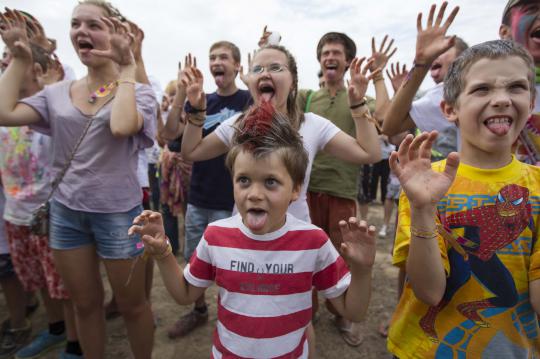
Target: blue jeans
(108,232)
(197,219)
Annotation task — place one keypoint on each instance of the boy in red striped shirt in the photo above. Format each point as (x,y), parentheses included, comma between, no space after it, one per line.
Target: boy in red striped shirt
(264,260)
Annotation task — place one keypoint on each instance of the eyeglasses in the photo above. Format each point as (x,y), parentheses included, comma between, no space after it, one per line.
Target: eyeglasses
(272,68)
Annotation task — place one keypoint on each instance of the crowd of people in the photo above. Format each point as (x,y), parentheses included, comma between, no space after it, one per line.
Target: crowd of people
(98,172)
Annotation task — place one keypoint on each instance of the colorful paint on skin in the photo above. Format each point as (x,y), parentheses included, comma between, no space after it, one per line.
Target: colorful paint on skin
(521,22)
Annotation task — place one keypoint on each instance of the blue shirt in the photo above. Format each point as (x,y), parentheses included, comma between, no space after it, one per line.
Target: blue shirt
(211,184)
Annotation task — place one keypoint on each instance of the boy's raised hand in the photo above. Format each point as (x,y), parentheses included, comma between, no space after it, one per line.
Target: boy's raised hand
(423,186)
(149,225)
(193,81)
(359,79)
(380,57)
(358,246)
(120,43)
(13,32)
(182,79)
(432,41)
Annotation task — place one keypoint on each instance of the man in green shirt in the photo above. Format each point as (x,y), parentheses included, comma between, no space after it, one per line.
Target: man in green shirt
(333,185)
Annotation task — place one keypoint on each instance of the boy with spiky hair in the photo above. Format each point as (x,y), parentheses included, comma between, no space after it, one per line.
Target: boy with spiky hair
(468,226)
(264,260)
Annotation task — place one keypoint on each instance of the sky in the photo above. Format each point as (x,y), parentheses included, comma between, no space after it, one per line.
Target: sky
(173,28)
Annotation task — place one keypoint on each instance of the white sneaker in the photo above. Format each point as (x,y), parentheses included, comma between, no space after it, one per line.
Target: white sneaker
(382,232)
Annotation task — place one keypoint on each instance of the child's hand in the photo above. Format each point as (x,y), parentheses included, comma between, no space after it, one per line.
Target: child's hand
(13,32)
(397,75)
(358,246)
(423,186)
(120,43)
(381,57)
(192,80)
(432,41)
(359,80)
(149,225)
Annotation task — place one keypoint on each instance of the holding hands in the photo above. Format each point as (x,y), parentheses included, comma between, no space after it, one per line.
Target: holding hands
(358,247)
(432,41)
(412,165)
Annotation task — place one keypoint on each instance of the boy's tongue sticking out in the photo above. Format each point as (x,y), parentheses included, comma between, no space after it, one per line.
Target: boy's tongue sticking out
(498,125)
(256,219)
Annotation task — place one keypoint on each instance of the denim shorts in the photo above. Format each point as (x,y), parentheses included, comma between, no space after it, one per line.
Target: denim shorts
(108,232)
(196,221)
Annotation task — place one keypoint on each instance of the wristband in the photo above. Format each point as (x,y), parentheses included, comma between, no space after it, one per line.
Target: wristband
(127,81)
(195,119)
(358,105)
(423,233)
(165,253)
(196,110)
(416,64)
(378,78)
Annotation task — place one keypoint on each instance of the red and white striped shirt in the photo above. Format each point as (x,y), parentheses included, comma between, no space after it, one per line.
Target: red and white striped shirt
(265,281)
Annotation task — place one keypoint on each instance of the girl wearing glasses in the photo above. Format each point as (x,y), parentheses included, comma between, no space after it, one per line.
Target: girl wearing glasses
(273,77)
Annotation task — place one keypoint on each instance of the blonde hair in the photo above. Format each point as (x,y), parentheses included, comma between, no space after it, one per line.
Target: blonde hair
(110,10)
(171,87)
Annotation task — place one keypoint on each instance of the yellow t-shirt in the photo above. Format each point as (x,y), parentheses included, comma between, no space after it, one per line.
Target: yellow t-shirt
(485,312)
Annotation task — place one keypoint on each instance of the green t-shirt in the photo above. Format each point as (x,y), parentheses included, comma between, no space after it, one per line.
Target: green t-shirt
(328,174)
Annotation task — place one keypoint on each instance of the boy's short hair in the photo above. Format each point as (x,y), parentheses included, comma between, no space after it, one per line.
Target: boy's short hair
(454,81)
(263,131)
(228,45)
(340,38)
(460,45)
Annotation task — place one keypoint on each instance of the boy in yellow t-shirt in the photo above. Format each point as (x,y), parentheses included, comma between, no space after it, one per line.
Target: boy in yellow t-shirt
(468,226)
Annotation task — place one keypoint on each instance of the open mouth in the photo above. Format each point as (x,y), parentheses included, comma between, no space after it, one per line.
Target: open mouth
(267,91)
(535,34)
(499,125)
(84,45)
(330,68)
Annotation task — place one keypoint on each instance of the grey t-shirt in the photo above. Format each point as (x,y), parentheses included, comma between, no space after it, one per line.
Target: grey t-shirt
(102,177)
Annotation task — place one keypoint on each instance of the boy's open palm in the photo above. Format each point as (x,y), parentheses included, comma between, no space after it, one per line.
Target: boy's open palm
(193,82)
(432,41)
(358,246)
(423,186)
(149,225)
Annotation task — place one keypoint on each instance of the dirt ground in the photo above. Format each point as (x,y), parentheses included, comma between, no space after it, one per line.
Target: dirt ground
(198,344)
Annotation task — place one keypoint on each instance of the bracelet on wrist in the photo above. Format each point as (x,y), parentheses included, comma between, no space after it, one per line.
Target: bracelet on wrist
(196,110)
(195,119)
(378,78)
(165,253)
(126,81)
(420,64)
(358,105)
(423,233)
